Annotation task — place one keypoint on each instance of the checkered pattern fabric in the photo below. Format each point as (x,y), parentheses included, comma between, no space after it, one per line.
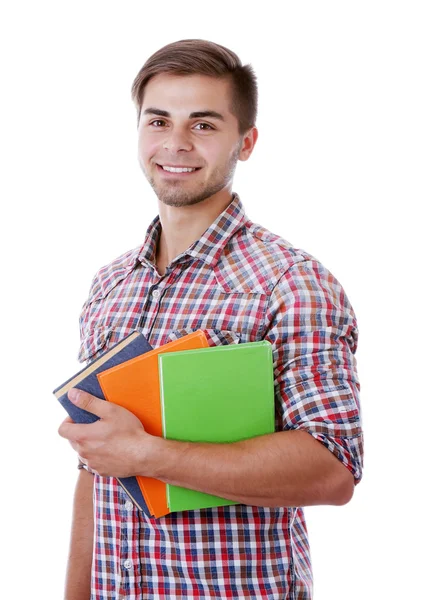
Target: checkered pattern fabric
(238,283)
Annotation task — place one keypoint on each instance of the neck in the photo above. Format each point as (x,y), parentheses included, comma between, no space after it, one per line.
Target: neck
(181,226)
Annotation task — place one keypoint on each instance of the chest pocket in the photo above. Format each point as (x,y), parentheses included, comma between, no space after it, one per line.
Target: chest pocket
(94,344)
(216,337)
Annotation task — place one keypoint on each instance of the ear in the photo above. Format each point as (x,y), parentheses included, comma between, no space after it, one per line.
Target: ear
(249,141)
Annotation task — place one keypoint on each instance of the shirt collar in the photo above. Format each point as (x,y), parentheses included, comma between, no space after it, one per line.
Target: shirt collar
(209,246)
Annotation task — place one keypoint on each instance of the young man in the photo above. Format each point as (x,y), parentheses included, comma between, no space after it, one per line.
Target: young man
(205,265)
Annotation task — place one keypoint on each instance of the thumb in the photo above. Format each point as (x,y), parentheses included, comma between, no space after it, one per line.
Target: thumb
(88,402)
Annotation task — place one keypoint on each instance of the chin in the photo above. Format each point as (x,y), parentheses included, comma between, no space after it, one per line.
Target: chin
(179,200)
(178,197)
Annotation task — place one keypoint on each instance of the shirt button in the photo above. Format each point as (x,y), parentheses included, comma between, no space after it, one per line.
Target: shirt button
(128,505)
(155,294)
(128,564)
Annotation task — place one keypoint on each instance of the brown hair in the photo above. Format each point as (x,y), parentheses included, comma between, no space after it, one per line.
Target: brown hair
(192,57)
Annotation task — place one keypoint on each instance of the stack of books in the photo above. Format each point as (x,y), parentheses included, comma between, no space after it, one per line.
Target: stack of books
(183,390)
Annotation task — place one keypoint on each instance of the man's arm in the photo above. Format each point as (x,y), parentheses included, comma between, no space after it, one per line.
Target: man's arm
(288,468)
(78,576)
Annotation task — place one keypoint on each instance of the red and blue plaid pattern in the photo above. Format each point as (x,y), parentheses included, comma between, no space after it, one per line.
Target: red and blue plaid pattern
(239,283)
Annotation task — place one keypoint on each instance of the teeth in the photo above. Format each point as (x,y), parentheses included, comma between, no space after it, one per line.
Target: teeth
(178,169)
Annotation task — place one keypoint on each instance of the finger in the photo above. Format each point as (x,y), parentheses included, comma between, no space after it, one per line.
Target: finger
(88,402)
(75,432)
(63,426)
(66,430)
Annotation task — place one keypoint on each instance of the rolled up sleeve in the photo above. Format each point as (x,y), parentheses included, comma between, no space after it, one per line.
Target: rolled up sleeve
(313,331)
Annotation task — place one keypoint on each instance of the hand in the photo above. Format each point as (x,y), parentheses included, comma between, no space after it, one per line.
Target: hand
(117,445)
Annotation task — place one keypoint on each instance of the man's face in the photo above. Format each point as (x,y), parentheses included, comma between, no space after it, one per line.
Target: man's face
(186,123)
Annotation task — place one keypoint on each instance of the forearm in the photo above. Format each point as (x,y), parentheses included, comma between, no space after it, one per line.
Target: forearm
(78,576)
(288,468)
(283,469)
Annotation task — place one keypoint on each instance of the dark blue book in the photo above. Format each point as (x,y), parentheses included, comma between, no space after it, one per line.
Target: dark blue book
(86,379)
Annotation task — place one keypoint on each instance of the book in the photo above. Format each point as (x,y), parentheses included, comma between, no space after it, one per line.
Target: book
(219,394)
(135,386)
(132,345)
(85,379)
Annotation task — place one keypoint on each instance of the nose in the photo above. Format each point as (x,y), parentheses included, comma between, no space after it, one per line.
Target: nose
(177,140)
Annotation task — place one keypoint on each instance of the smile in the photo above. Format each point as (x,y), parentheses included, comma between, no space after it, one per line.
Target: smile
(169,169)
(179,169)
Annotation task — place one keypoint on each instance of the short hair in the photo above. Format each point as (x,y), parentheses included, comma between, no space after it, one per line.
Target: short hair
(201,57)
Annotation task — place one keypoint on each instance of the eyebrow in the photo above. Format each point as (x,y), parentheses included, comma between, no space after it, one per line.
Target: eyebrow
(199,114)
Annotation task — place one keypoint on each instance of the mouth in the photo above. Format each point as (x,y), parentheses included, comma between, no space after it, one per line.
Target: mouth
(177,171)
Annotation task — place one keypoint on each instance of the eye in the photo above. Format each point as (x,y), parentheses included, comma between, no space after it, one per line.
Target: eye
(157,123)
(203,127)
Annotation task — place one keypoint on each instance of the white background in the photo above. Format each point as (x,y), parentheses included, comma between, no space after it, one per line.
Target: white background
(336,171)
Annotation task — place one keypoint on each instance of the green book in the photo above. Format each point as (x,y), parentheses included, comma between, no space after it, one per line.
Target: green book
(219,394)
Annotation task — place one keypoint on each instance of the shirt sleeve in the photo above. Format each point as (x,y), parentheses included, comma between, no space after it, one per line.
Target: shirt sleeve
(84,349)
(88,341)
(313,331)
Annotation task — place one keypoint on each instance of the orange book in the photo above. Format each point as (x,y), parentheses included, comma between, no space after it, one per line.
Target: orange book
(135,385)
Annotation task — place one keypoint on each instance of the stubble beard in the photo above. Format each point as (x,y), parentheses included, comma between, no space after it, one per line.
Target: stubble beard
(174,194)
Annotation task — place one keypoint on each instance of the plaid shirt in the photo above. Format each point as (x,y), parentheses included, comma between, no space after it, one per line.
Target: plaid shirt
(238,283)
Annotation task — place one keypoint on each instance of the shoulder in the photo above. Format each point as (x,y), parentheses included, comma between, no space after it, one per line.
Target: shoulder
(112,273)
(272,245)
(94,330)
(261,261)
(257,259)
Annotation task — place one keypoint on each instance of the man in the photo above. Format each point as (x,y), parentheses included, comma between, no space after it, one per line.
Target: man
(204,265)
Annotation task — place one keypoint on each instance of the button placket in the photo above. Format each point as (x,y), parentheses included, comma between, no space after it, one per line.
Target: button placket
(125,506)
